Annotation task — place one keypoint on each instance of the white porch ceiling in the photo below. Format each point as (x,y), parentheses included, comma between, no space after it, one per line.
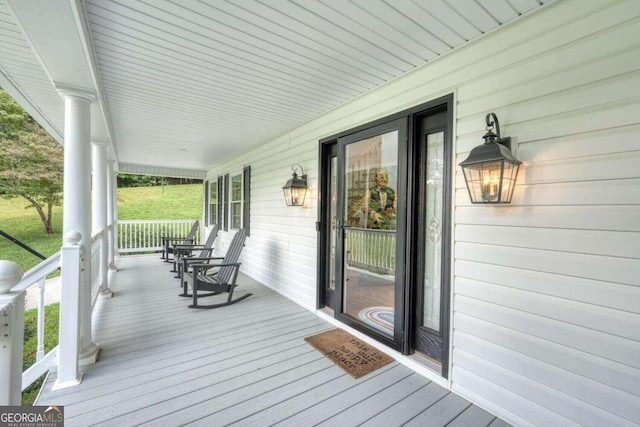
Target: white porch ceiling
(188,84)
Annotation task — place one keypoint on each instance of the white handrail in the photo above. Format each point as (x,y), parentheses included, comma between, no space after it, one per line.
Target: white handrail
(96,247)
(38,274)
(41,270)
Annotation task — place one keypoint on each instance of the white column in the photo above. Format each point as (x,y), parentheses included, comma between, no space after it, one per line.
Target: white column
(69,334)
(99,210)
(112,204)
(77,204)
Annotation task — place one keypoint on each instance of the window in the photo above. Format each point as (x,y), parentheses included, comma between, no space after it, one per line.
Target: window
(213,203)
(229,201)
(246,196)
(235,202)
(224,211)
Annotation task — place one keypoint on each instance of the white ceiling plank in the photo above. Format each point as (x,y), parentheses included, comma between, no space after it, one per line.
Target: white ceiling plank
(152,35)
(267,41)
(499,9)
(402,29)
(524,6)
(209,113)
(449,17)
(187,61)
(315,42)
(338,38)
(373,34)
(131,53)
(474,14)
(190,107)
(424,18)
(207,36)
(193,83)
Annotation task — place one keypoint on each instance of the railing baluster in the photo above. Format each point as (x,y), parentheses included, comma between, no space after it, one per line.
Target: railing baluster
(41,319)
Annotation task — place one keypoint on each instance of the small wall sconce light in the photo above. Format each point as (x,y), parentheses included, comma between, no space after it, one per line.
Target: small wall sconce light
(491,170)
(295,190)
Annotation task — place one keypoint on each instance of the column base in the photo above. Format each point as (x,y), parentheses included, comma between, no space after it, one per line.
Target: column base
(89,356)
(113,267)
(106,293)
(60,385)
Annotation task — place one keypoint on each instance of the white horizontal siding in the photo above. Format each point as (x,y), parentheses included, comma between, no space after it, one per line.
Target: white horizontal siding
(546,290)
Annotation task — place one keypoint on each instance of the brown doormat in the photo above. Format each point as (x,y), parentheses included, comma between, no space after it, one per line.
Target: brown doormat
(353,355)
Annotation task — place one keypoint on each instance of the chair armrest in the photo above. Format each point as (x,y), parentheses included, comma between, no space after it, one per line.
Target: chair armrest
(176,239)
(208,266)
(206,258)
(189,261)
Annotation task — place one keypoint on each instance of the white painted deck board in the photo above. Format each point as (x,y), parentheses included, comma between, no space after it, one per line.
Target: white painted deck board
(247,364)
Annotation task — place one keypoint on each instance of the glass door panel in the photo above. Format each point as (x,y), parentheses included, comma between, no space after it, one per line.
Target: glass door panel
(328,225)
(333,220)
(369,223)
(433,232)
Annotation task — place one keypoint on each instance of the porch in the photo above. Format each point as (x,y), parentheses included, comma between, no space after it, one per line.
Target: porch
(163,364)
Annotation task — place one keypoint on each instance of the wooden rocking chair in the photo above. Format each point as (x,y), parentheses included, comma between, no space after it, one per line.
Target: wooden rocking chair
(184,254)
(169,241)
(222,280)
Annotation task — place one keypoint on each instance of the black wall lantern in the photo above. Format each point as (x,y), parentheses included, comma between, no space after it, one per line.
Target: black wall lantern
(295,190)
(491,170)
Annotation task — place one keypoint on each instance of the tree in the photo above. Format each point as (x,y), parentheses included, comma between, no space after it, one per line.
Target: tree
(31,161)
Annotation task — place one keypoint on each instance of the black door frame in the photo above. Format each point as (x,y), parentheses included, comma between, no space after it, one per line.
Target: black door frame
(413,116)
(437,342)
(400,125)
(325,297)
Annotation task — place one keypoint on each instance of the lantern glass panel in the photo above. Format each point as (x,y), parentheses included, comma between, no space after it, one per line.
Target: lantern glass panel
(508,181)
(491,182)
(294,196)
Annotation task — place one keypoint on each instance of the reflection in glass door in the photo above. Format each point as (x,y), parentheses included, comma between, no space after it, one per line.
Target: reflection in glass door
(370,216)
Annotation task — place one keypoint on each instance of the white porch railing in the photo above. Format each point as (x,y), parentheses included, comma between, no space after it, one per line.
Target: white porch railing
(12,310)
(37,275)
(371,250)
(146,235)
(132,237)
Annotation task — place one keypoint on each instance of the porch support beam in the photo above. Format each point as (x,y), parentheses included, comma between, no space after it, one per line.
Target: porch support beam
(99,211)
(77,219)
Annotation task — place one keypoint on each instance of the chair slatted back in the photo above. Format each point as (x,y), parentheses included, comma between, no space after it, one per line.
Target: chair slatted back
(192,233)
(232,255)
(206,249)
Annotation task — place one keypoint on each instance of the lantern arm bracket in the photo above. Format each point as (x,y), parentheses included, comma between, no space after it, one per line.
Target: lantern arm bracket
(492,121)
(294,169)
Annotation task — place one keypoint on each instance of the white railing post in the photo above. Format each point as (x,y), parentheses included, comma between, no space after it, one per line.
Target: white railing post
(69,338)
(11,334)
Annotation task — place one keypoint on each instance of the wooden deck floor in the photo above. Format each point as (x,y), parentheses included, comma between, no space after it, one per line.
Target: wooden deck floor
(163,364)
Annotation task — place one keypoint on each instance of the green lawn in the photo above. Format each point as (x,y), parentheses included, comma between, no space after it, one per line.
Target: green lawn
(164,202)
